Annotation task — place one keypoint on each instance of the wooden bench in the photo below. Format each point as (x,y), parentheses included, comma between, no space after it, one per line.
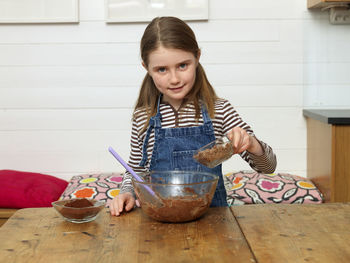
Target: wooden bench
(6,213)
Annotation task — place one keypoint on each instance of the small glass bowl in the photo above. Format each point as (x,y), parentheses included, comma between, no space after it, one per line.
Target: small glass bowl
(78,214)
(215,152)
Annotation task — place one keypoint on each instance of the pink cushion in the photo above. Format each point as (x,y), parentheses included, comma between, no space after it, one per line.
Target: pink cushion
(258,188)
(25,189)
(103,186)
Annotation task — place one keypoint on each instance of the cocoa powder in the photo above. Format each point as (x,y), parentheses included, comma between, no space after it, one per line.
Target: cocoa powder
(79,203)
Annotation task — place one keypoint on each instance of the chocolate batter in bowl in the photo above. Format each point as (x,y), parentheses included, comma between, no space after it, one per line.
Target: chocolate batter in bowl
(180,196)
(214,153)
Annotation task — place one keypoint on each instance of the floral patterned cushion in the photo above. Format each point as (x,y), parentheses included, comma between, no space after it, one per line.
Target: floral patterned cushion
(257,188)
(104,186)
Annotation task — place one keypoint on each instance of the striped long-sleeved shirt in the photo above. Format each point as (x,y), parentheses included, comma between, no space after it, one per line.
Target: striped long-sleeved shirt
(225,119)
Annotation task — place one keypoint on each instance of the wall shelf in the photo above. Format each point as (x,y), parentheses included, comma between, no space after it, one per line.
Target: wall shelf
(315,4)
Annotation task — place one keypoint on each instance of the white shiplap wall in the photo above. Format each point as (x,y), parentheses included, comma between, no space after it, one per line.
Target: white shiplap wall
(67,90)
(326,63)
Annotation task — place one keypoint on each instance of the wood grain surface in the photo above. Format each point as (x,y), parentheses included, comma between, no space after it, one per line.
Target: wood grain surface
(40,235)
(319,156)
(5,214)
(297,233)
(328,158)
(340,181)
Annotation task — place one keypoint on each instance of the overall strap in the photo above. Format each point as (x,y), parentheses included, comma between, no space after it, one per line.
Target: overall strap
(154,122)
(205,115)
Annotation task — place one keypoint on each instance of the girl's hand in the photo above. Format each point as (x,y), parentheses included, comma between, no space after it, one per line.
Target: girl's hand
(242,141)
(123,201)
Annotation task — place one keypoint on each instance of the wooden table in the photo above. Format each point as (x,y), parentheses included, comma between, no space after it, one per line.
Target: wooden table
(40,235)
(297,233)
(251,233)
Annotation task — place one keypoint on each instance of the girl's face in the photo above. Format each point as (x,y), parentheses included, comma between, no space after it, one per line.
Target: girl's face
(173,72)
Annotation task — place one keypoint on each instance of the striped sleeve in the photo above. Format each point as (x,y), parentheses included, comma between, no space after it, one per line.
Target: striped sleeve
(265,163)
(135,154)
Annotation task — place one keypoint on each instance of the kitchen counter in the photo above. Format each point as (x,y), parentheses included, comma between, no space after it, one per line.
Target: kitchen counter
(330,116)
(328,152)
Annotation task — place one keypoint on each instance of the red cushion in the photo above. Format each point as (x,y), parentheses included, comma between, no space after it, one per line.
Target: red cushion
(24,189)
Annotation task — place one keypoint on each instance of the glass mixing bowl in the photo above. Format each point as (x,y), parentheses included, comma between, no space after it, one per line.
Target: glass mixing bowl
(176,196)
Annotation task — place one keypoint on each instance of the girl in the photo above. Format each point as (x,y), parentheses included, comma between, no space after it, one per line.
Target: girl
(177,112)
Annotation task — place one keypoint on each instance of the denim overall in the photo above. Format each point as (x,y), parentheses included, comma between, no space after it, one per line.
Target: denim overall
(174,148)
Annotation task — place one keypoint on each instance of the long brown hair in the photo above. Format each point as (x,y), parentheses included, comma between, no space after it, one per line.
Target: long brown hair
(172,32)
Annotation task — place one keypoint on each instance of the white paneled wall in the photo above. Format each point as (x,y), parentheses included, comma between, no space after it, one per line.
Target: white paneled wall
(326,63)
(67,90)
